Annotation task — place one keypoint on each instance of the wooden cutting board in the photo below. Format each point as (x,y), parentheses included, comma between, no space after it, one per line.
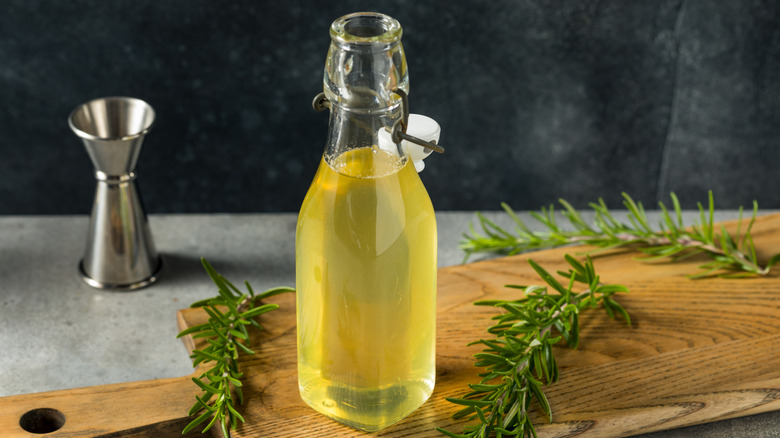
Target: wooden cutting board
(698,351)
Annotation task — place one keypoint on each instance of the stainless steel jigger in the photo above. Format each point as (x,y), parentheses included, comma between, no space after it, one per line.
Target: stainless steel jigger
(120,253)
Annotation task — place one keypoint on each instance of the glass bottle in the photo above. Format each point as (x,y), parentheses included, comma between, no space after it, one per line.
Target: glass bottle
(365,244)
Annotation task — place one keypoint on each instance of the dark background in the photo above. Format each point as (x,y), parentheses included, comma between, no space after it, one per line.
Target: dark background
(537,99)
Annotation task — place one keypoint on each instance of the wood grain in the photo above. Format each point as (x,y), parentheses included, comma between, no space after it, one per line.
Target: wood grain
(698,351)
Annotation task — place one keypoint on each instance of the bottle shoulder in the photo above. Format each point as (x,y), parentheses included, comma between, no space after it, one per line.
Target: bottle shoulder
(367,174)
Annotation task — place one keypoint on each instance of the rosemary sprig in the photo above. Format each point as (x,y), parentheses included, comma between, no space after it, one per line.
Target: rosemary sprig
(230,313)
(733,255)
(519,360)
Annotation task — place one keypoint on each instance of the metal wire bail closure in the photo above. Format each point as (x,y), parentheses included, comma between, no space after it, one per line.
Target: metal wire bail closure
(398,133)
(399,128)
(320,102)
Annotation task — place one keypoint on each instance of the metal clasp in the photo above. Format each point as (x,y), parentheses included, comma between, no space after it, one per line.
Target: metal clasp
(320,102)
(398,133)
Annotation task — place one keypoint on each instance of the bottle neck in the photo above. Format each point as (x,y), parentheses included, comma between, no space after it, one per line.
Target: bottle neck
(365,66)
(351,128)
(366,62)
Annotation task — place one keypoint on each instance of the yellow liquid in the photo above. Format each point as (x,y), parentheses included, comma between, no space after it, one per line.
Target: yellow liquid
(366,290)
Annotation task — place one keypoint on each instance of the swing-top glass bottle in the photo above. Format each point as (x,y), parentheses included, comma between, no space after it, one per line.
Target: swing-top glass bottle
(366,243)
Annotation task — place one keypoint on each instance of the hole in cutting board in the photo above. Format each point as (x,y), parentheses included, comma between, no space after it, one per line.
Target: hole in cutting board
(42,420)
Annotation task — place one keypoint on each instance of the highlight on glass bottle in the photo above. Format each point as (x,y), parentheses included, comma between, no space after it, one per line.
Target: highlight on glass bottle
(366,242)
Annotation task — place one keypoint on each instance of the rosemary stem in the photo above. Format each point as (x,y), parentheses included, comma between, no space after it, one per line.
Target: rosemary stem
(732,255)
(519,361)
(684,242)
(219,361)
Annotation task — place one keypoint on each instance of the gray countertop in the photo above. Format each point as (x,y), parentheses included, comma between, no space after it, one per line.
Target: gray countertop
(56,332)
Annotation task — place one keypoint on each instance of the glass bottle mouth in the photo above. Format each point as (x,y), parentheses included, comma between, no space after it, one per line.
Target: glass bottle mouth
(366,29)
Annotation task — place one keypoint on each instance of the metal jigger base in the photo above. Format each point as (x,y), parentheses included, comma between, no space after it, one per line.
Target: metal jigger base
(121,287)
